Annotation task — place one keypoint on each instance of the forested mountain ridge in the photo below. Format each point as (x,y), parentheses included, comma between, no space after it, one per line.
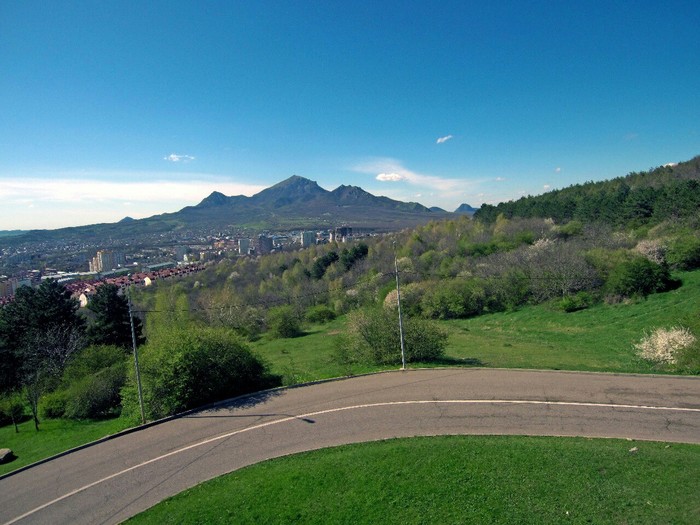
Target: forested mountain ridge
(667,192)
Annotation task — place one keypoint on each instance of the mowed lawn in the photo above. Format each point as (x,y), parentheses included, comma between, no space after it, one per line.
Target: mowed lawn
(54,436)
(454,480)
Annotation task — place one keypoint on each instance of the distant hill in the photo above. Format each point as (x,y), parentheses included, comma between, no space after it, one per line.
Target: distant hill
(294,203)
(11,233)
(466,209)
(671,191)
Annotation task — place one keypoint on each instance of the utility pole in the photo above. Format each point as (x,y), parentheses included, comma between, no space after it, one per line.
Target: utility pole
(398,302)
(136,356)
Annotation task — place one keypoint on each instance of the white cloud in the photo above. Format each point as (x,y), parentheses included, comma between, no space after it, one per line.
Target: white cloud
(500,179)
(65,200)
(174,157)
(390,177)
(546,187)
(391,170)
(444,139)
(557,170)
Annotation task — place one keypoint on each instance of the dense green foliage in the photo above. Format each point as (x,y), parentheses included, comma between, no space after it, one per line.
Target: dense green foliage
(664,193)
(454,479)
(188,366)
(35,331)
(373,336)
(111,324)
(91,385)
(284,322)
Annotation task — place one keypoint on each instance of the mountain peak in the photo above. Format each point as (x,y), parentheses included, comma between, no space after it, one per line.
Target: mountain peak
(216,198)
(291,190)
(466,209)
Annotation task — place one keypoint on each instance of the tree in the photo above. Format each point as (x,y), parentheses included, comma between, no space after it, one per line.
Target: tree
(46,311)
(44,356)
(11,409)
(111,324)
(373,337)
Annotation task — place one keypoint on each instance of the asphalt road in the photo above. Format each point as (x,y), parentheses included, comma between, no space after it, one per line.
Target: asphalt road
(115,479)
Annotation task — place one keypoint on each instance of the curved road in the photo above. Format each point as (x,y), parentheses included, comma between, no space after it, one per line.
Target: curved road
(115,479)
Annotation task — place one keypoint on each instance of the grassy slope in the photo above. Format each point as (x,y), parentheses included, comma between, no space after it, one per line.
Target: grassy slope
(455,479)
(54,436)
(599,338)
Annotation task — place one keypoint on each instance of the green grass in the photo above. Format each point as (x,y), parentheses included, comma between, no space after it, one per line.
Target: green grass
(54,436)
(309,357)
(454,479)
(597,339)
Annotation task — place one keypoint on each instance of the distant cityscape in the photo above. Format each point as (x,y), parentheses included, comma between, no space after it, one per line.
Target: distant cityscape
(84,268)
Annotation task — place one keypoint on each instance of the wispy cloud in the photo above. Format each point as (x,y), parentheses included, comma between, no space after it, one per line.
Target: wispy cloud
(390,177)
(174,157)
(557,170)
(444,139)
(392,170)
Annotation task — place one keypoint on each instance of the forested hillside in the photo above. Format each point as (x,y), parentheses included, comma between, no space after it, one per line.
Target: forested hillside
(650,197)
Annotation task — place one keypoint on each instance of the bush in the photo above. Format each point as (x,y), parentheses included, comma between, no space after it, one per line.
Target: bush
(283,322)
(189,366)
(97,395)
(320,314)
(663,345)
(638,276)
(373,337)
(684,253)
(53,405)
(580,301)
(453,300)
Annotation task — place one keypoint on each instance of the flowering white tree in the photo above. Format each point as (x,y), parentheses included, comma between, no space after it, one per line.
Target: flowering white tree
(663,345)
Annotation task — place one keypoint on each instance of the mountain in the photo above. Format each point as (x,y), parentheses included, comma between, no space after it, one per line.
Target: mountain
(294,203)
(466,209)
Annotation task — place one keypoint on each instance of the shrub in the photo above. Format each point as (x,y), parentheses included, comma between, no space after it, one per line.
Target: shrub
(190,366)
(684,253)
(663,345)
(411,297)
(573,303)
(320,314)
(373,337)
(97,395)
(53,404)
(638,276)
(283,322)
(453,299)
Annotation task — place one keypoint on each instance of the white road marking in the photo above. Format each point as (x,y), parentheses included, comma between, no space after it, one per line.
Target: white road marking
(341,409)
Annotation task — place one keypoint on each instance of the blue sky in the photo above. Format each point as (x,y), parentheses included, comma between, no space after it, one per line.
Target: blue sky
(136,108)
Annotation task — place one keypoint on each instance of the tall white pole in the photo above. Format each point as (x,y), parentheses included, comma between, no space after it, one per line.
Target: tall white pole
(398,302)
(136,357)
